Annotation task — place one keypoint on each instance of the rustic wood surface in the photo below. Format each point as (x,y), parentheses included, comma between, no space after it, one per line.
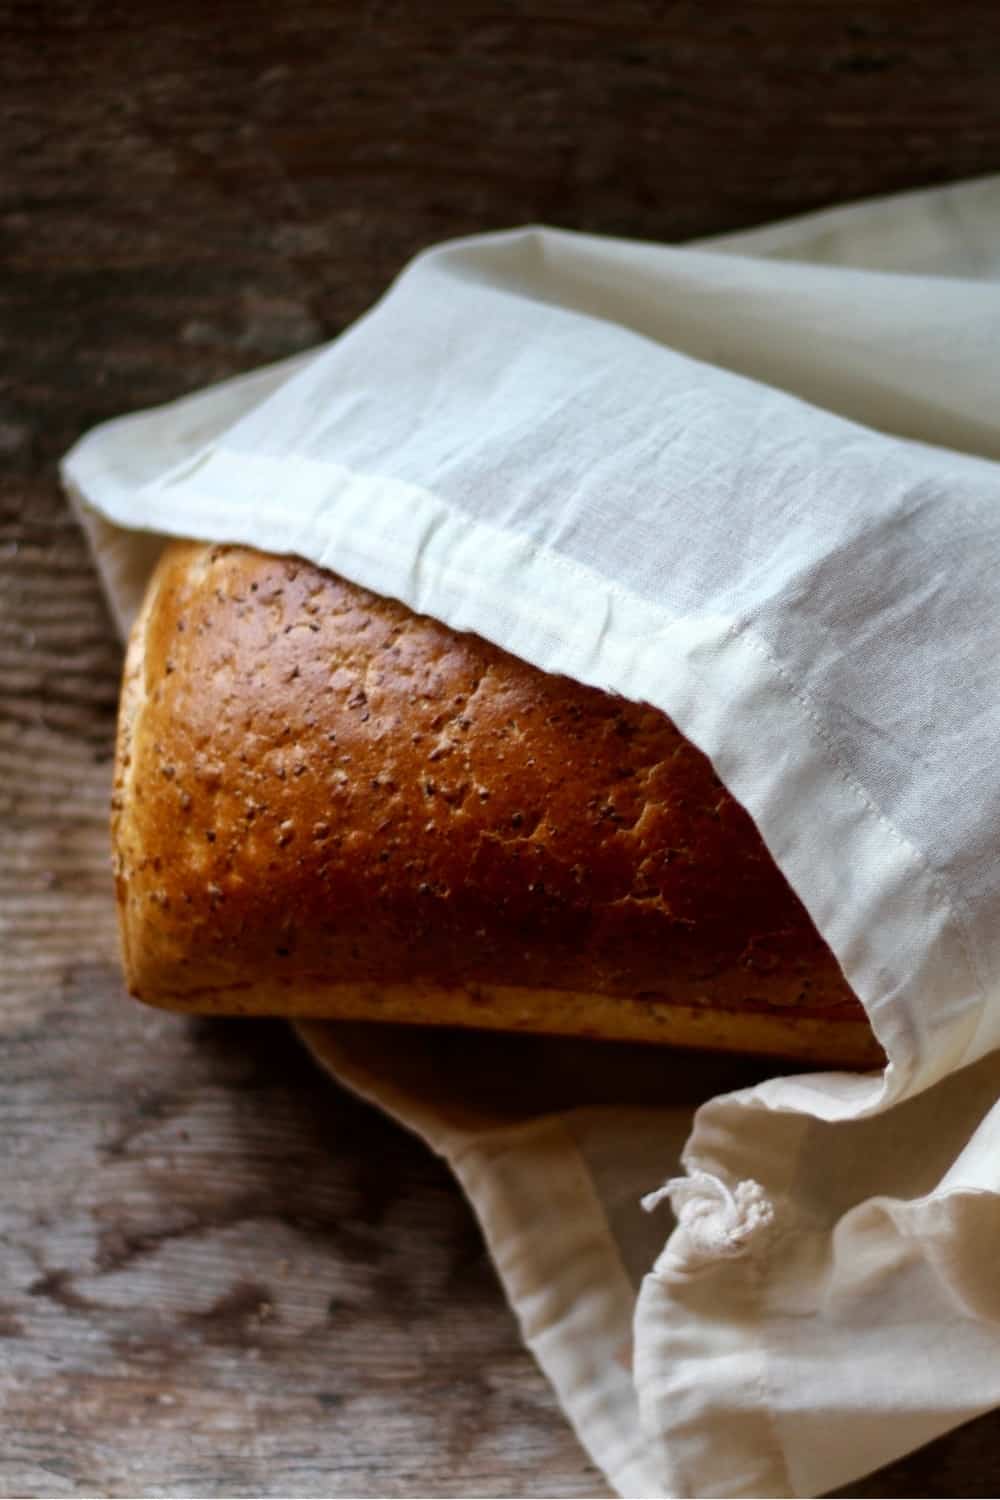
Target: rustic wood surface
(221,1275)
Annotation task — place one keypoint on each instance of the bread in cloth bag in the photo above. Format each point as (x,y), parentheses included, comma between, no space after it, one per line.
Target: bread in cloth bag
(326,805)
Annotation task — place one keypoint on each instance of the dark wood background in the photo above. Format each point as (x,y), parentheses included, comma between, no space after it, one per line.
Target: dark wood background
(219,1274)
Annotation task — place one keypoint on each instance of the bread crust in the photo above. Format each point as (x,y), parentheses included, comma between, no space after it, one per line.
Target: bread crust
(327,805)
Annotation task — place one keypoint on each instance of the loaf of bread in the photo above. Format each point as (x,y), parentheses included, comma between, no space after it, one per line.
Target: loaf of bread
(328,806)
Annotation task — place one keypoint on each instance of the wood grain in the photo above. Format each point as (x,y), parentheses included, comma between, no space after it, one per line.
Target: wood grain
(220,1274)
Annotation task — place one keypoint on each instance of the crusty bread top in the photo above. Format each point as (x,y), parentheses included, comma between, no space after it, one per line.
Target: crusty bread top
(315,783)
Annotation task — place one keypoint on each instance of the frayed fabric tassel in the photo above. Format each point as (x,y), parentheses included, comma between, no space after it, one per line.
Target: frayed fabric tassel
(714,1221)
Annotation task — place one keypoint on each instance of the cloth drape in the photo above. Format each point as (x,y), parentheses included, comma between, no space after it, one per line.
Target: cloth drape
(755,483)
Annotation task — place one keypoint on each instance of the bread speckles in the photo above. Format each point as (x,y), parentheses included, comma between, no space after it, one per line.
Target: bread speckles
(429,812)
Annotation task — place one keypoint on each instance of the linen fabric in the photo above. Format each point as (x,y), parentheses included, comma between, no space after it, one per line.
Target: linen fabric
(754,483)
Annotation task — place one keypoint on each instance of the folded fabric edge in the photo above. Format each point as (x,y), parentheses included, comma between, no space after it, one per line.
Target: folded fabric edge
(120,455)
(549,1240)
(706,674)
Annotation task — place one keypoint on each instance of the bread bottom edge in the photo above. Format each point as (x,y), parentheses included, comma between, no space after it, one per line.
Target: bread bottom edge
(811,1037)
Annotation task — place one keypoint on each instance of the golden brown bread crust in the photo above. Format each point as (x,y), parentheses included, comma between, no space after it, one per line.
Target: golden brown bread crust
(327,805)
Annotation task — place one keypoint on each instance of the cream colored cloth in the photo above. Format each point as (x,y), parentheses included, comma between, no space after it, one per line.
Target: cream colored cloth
(703,477)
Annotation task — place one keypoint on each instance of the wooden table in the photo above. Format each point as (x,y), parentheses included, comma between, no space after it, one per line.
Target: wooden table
(220,1274)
